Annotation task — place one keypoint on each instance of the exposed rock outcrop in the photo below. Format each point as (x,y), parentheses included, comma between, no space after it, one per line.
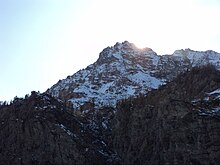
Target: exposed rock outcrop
(173,125)
(41,130)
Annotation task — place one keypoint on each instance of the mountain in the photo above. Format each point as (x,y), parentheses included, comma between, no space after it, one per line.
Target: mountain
(131,106)
(178,123)
(123,71)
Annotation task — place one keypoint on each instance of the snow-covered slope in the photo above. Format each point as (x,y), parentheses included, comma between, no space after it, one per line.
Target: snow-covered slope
(122,71)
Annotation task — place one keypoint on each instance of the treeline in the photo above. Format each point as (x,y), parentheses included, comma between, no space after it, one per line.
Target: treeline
(17,99)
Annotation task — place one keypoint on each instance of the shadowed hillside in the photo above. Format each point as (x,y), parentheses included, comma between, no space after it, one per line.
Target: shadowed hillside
(177,124)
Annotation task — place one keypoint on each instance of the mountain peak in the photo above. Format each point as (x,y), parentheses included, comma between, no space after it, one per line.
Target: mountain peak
(127,45)
(123,44)
(122,50)
(123,70)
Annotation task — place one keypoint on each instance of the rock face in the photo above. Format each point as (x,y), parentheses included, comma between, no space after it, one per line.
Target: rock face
(40,130)
(177,124)
(124,70)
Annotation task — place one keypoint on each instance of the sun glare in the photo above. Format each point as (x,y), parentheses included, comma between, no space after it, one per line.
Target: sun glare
(140,45)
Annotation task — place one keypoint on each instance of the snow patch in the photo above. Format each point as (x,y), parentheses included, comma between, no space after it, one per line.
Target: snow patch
(217,91)
(66,130)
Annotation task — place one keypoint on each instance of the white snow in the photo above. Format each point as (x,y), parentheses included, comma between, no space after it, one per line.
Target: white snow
(155,60)
(130,90)
(211,112)
(66,130)
(104,125)
(217,91)
(143,78)
(118,56)
(103,89)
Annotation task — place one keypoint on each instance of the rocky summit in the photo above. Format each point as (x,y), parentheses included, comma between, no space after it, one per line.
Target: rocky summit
(131,106)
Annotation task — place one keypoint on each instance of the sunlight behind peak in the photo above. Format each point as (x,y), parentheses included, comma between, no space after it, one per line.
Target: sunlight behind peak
(140,45)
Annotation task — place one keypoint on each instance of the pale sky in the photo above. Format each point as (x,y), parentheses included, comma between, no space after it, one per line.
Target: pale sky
(42,41)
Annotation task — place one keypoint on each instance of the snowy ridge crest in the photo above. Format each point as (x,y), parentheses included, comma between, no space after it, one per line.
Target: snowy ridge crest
(122,71)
